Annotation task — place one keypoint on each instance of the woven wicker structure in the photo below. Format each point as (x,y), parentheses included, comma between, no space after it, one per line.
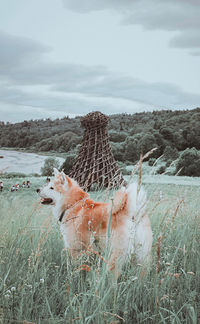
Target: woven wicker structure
(95,163)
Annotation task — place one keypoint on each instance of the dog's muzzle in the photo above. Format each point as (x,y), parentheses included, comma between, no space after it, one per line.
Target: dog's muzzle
(45,201)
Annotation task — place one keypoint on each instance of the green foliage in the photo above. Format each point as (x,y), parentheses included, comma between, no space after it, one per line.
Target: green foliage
(130,135)
(146,143)
(189,163)
(118,151)
(170,153)
(167,133)
(138,144)
(151,161)
(131,149)
(168,163)
(161,170)
(117,137)
(69,162)
(49,164)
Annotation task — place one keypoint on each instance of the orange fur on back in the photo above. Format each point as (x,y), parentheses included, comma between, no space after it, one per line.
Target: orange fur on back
(77,203)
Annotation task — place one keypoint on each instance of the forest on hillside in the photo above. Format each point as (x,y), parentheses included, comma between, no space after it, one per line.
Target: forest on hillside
(129,134)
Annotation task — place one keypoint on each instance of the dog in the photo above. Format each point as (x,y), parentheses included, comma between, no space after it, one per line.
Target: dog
(122,223)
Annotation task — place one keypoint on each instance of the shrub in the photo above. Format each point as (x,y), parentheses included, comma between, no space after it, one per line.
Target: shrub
(118,151)
(67,165)
(49,164)
(168,163)
(161,170)
(117,137)
(131,149)
(151,161)
(170,153)
(146,143)
(189,163)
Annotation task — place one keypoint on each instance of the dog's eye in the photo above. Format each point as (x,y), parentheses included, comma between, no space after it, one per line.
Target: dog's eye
(51,188)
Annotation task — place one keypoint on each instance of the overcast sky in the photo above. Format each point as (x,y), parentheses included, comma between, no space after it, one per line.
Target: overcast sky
(70,57)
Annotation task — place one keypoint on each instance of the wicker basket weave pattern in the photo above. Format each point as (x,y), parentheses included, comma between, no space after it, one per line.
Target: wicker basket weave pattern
(95,163)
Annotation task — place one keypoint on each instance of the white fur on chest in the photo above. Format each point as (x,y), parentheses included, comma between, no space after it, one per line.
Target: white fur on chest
(65,233)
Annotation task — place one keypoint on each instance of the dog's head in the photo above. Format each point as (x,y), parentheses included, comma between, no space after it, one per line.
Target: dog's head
(56,189)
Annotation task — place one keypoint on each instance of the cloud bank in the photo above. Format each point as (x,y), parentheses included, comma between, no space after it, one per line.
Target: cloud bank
(181,17)
(32,86)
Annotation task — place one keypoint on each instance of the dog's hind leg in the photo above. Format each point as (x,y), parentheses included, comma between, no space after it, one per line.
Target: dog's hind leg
(118,252)
(143,241)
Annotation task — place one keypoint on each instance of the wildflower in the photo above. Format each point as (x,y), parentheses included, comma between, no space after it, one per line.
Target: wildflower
(84,267)
(41,280)
(8,292)
(13,289)
(165,297)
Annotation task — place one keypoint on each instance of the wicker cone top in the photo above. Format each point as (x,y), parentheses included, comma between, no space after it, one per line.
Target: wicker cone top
(95,163)
(94,119)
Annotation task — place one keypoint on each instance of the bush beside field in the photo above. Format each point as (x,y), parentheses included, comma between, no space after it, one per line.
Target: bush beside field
(40,284)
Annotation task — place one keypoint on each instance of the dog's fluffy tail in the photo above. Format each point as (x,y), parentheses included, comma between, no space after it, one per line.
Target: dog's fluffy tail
(136,201)
(133,198)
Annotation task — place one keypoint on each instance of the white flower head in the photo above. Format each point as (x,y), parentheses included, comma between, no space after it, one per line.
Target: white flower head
(13,289)
(29,286)
(41,280)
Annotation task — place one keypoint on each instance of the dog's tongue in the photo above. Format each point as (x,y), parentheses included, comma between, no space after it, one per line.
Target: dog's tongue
(46,201)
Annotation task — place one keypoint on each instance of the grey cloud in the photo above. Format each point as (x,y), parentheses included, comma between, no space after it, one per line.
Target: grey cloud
(115,86)
(15,51)
(195,53)
(13,113)
(186,40)
(51,73)
(22,104)
(21,62)
(181,16)
(71,88)
(94,5)
(162,15)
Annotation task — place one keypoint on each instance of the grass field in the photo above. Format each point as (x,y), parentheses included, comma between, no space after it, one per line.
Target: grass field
(39,283)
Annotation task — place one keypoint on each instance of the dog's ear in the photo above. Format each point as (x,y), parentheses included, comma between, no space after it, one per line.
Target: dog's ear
(68,180)
(55,172)
(62,177)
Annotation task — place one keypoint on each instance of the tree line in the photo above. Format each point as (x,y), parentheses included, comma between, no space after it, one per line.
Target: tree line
(129,134)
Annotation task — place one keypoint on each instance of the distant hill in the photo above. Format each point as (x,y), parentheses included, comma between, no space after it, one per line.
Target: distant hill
(129,134)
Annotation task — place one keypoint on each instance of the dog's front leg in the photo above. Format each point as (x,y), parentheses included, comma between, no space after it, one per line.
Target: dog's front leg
(117,256)
(75,252)
(77,245)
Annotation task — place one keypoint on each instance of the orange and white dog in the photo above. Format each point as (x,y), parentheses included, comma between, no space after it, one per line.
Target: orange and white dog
(83,220)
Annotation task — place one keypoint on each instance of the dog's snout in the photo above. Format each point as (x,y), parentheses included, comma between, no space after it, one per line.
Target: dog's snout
(37,190)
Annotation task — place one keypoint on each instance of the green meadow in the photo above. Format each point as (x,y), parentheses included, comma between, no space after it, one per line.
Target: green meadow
(40,284)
